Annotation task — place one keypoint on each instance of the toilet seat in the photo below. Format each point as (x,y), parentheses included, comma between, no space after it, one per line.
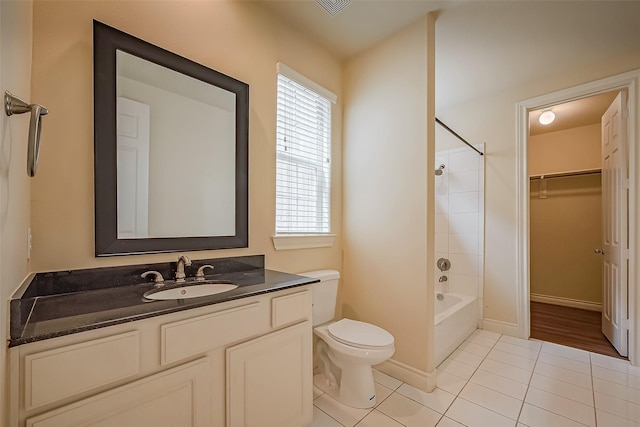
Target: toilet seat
(360,334)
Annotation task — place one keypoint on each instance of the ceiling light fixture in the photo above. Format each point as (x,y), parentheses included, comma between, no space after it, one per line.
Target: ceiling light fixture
(547,117)
(333,6)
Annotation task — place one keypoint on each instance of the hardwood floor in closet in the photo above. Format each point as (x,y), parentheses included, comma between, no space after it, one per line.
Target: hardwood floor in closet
(571,327)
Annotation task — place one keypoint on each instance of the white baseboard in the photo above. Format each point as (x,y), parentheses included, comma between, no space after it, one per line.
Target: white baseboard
(501,327)
(567,302)
(425,381)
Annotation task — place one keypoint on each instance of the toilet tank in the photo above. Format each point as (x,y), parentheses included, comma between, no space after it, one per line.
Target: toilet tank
(323,294)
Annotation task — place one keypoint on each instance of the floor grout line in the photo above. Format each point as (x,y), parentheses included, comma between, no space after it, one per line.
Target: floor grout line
(564,397)
(593,392)
(524,398)
(560,415)
(488,409)
(328,415)
(561,380)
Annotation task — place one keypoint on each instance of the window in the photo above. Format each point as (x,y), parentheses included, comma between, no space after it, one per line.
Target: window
(303,157)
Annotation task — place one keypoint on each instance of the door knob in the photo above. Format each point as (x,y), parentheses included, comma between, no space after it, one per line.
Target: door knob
(599,251)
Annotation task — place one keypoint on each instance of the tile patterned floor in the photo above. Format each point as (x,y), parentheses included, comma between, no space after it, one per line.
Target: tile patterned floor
(494,380)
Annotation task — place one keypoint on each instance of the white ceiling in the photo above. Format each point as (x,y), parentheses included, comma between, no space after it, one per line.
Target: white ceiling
(482,47)
(358,26)
(581,112)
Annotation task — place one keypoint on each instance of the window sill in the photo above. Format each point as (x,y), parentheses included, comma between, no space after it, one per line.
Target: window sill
(286,242)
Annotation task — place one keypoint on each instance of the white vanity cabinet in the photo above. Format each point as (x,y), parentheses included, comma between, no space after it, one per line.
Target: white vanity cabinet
(268,381)
(246,362)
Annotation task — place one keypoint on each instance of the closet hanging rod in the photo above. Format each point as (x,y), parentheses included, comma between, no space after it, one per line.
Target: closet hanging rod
(566,174)
(438,121)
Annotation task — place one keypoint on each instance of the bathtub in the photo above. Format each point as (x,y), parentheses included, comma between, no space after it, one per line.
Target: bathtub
(456,317)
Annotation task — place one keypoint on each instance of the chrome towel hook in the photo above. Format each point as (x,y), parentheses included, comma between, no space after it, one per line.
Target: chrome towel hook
(14,105)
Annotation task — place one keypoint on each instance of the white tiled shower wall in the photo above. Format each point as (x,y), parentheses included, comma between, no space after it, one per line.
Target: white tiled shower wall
(460,220)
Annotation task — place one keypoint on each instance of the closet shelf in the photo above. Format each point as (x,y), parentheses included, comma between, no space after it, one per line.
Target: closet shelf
(566,173)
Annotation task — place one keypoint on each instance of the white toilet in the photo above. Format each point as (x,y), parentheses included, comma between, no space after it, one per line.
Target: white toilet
(347,348)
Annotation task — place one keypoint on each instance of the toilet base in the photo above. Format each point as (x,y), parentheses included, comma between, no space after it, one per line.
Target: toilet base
(358,389)
(326,386)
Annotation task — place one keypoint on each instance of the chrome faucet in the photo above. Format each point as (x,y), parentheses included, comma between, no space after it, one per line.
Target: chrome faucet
(182,261)
(200,274)
(158,279)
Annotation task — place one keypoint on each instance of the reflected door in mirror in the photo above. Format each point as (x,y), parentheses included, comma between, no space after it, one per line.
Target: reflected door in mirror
(133,169)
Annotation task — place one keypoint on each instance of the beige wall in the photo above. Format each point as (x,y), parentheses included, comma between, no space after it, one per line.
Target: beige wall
(236,38)
(15,76)
(492,119)
(565,150)
(445,140)
(388,151)
(566,227)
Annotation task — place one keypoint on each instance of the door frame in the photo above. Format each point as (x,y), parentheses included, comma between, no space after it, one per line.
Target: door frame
(631,82)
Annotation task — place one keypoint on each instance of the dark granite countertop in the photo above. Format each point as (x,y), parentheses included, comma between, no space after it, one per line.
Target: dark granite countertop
(50,305)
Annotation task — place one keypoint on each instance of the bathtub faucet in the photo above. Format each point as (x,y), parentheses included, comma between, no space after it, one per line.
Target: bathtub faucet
(443,279)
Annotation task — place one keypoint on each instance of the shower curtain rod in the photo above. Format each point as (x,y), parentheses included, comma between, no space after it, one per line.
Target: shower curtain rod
(438,121)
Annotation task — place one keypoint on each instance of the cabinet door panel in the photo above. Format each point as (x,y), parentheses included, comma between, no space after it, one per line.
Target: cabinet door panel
(191,337)
(290,309)
(178,397)
(269,380)
(66,371)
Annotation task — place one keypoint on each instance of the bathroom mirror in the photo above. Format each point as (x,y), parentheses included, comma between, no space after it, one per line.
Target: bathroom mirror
(171,150)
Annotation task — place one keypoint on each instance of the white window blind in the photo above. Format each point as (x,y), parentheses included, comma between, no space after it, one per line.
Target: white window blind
(303,159)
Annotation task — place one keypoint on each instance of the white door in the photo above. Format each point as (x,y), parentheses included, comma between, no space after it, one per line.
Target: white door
(614,201)
(133,169)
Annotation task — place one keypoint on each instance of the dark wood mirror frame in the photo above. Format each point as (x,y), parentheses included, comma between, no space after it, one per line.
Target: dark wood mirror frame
(106,41)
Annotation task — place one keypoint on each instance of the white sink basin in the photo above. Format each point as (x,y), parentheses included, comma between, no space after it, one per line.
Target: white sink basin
(190,291)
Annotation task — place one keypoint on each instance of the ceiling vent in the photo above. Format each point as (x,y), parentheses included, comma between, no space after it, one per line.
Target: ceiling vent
(333,6)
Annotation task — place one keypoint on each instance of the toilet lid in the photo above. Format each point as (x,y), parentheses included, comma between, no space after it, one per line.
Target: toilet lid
(361,334)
